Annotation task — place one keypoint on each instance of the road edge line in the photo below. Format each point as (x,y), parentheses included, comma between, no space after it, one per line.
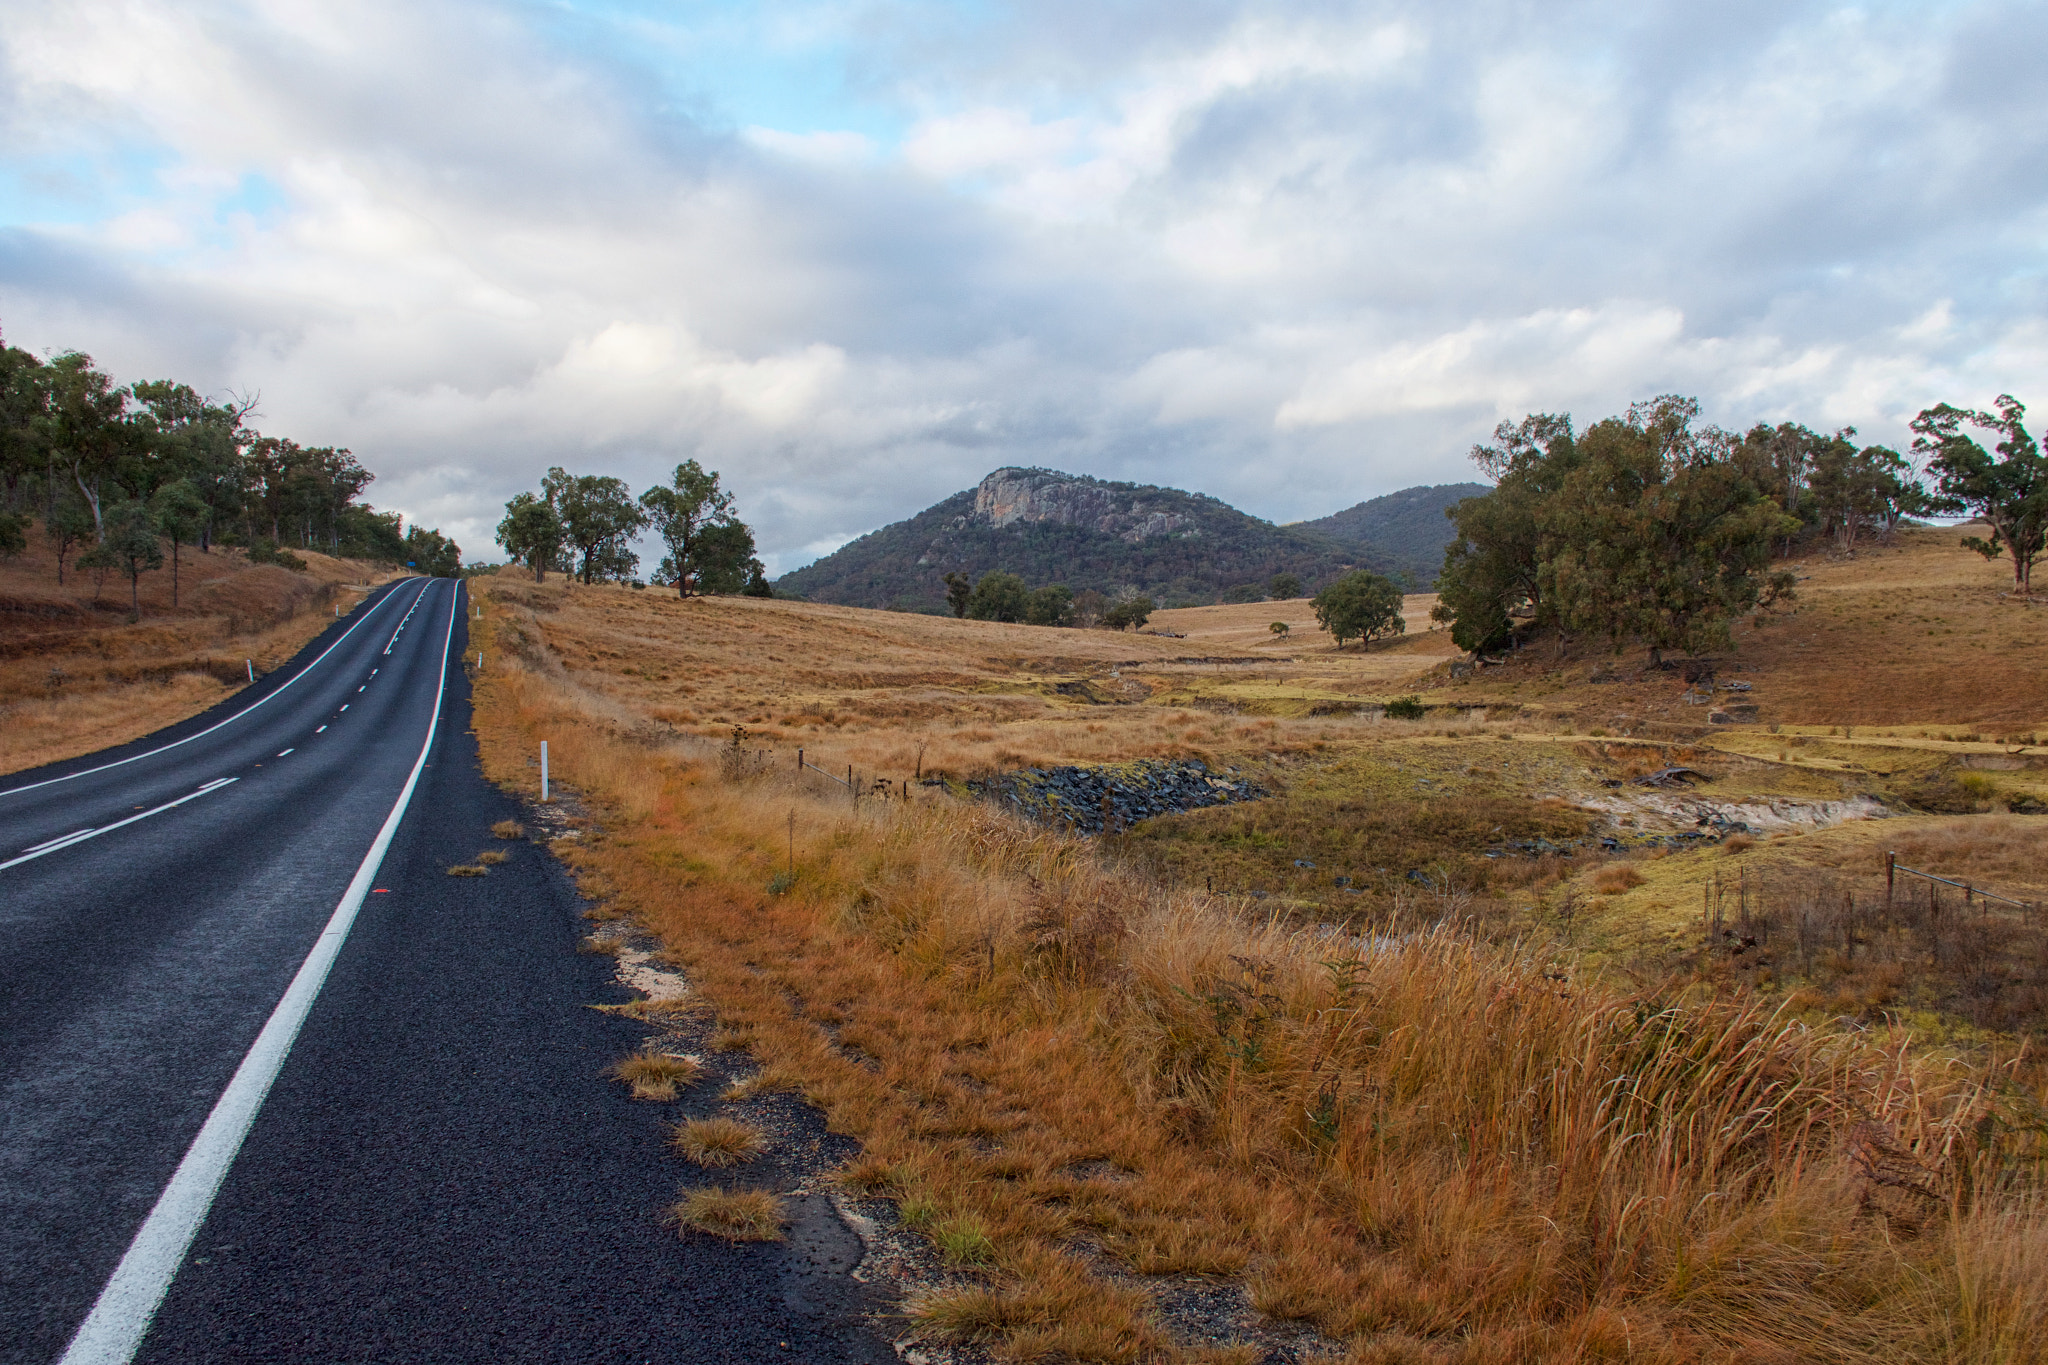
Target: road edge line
(137,758)
(113,1331)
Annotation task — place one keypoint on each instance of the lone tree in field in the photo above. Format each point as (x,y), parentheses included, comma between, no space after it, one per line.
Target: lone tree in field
(1643,528)
(532,534)
(2010,493)
(1360,606)
(708,547)
(1128,613)
(959,592)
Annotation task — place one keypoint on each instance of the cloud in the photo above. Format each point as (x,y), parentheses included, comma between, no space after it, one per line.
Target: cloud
(856,256)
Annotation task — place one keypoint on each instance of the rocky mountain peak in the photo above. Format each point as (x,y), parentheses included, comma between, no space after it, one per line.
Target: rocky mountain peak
(1012,495)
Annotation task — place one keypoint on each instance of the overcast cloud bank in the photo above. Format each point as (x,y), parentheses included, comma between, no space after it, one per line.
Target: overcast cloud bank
(856,255)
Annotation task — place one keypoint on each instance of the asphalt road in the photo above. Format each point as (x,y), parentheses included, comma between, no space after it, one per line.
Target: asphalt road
(437,1171)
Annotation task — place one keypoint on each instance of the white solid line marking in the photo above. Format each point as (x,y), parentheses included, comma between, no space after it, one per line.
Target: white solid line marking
(287,751)
(321,730)
(82,772)
(74,834)
(121,1315)
(56,845)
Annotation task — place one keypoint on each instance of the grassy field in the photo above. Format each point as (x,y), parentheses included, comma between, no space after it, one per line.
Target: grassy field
(76,675)
(1669,1099)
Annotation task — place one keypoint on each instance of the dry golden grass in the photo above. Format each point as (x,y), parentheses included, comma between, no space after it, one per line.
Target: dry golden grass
(719,1141)
(467,870)
(1918,633)
(491,857)
(1406,1137)
(1616,877)
(736,1215)
(76,677)
(509,829)
(655,1075)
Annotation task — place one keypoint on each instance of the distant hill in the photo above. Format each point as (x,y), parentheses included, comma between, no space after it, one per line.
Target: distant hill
(1407,528)
(1183,549)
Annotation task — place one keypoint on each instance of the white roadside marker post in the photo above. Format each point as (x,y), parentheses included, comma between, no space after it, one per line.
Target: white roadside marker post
(250,664)
(543,770)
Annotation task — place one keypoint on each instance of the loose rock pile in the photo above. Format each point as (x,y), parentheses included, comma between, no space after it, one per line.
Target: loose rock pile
(1090,799)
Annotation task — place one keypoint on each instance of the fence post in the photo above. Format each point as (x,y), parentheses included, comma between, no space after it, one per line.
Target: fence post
(543,770)
(799,762)
(1891,867)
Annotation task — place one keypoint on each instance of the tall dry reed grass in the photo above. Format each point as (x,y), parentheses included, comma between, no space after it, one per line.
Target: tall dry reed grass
(1428,1147)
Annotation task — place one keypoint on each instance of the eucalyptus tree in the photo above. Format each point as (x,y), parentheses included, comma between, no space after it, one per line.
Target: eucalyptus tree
(694,518)
(598,517)
(179,513)
(128,542)
(532,534)
(2009,493)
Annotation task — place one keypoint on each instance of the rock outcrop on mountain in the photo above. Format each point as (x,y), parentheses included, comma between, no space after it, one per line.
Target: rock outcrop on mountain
(1009,496)
(1178,547)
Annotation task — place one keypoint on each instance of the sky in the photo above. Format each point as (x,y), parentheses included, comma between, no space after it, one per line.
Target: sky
(854,255)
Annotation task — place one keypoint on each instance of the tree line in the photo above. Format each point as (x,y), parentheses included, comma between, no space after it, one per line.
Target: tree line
(1651,529)
(117,472)
(583,525)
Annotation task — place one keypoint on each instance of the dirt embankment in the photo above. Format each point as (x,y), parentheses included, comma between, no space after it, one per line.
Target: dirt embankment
(76,674)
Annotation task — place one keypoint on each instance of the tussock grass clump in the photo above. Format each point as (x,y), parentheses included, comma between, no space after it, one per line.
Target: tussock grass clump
(605,945)
(509,829)
(468,870)
(719,1141)
(736,1215)
(866,1174)
(725,1039)
(655,1075)
(964,1241)
(1615,878)
(491,857)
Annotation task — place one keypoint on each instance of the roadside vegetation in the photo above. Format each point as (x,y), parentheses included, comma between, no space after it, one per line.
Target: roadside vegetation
(156,550)
(1459,1107)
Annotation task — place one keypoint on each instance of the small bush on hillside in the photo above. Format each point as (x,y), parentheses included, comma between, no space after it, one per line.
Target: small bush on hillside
(1405,708)
(264,550)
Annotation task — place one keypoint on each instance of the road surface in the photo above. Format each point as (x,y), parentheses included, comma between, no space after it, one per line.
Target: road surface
(274,1087)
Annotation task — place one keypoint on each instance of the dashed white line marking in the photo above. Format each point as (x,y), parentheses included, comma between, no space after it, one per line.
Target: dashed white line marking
(321,730)
(361,688)
(57,845)
(287,751)
(344,707)
(408,616)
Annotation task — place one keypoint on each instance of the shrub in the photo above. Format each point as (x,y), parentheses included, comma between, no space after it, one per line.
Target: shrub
(1405,708)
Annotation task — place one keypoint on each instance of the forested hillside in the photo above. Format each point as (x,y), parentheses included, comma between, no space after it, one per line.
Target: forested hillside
(1177,547)
(1408,528)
